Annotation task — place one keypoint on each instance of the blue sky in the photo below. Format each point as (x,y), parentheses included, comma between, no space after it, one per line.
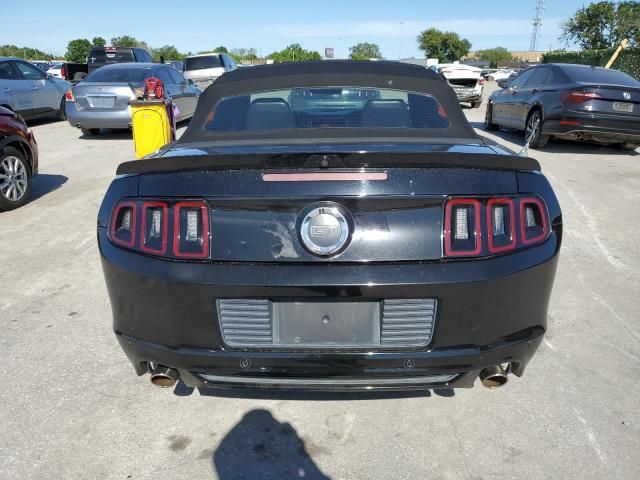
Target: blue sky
(195,25)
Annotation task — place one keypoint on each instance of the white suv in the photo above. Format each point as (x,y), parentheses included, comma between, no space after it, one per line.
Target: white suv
(465,80)
(204,69)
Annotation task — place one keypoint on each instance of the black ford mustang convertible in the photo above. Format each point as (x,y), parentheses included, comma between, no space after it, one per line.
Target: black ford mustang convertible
(330,226)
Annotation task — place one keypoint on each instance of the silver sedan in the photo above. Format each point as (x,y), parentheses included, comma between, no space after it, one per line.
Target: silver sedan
(102,99)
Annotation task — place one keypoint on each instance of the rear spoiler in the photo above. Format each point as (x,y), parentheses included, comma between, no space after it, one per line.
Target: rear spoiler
(332,160)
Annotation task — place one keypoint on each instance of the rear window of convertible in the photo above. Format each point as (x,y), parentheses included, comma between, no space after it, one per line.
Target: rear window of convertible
(326,107)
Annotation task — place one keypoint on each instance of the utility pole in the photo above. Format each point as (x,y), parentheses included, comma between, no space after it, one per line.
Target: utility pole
(537,23)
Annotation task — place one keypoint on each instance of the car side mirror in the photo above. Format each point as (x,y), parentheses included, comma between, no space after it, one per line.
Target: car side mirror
(503,83)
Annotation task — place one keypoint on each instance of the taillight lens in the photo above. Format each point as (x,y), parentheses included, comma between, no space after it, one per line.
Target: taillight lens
(481,81)
(462,231)
(123,224)
(475,227)
(191,230)
(69,96)
(154,227)
(501,231)
(579,96)
(533,221)
(178,230)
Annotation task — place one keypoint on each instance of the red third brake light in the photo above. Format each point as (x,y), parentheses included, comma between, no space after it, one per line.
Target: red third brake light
(578,96)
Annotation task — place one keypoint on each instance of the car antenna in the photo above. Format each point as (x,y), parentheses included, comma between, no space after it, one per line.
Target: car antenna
(525,149)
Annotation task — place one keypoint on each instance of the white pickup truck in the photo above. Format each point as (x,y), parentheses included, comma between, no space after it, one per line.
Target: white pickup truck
(465,80)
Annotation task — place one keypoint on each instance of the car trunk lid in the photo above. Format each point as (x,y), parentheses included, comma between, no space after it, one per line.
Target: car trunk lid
(393,213)
(622,102)
(103,96)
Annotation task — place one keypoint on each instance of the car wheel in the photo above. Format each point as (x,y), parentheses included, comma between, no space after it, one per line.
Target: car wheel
(15,179)
(488,118)
(534,130)
(62,113)
(89,132)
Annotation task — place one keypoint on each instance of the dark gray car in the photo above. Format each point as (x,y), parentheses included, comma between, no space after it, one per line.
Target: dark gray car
(102,99)
(30,92)
(574,102)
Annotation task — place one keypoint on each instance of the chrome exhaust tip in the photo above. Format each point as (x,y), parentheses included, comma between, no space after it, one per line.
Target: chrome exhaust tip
(494,377)
(164,377)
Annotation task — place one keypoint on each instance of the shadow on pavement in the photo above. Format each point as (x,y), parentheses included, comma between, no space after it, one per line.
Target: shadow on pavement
(259,446)
(182,390)
(43,183)
(557,145)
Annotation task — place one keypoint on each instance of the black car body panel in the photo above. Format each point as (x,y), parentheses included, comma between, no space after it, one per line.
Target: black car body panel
(606,108)
(217,319)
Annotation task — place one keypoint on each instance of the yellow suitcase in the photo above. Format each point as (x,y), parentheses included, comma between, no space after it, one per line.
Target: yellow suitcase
(151,126)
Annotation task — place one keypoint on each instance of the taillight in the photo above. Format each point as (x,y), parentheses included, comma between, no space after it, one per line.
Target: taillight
(481,81)
(63,71)
(533,221)
(154,227)
(123,224)
(579,96)
(475,227)
(69,96)
(178,230)
(501,229)
(462,230)
(191,230)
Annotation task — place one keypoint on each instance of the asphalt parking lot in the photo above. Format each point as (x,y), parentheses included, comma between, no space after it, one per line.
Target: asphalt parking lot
(72,407)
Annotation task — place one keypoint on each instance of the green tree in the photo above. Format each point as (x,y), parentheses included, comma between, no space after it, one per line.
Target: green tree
(124,41)
(443,45)
(77,50)
(495,56)
(364,51)
(603,25)
(169,52)
(221,49)
(98,42)
(294,53)
(24,52)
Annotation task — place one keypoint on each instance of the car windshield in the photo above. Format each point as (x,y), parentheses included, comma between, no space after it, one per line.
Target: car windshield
(200,63)
(118,75)
(327,107)
(600,75)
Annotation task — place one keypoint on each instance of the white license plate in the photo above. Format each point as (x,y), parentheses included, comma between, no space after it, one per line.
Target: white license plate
(623,107)
(102,102)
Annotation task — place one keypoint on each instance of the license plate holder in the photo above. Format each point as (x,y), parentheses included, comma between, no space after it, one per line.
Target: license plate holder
(326,324)
(623,107)
(101,101)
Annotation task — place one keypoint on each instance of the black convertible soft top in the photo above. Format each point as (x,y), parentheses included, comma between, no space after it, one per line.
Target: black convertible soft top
(367,74)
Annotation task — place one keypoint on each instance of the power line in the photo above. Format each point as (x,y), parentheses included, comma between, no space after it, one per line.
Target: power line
(537,23)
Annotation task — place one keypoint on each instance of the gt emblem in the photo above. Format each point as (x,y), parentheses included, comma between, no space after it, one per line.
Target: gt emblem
(318,231)
(627,95)
(324,230)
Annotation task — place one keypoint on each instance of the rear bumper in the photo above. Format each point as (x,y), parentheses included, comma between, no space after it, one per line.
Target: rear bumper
(491,312)
(606,129)
(97,118)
